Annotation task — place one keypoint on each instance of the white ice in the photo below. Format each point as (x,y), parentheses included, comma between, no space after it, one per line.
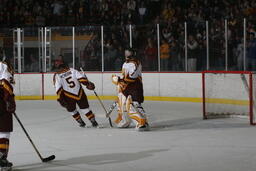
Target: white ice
(179,140)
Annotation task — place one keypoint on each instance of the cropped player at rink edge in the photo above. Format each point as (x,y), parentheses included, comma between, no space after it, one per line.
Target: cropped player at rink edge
(67,82)
(130,94)
(7,108)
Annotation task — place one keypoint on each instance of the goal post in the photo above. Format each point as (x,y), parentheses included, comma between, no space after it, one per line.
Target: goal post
(228,94)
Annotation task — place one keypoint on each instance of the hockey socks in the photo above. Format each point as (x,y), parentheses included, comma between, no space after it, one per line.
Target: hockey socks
(91,117)
(78,118)
(4,147)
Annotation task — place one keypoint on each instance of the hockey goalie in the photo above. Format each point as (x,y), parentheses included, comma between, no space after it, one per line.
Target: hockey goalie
(130,94)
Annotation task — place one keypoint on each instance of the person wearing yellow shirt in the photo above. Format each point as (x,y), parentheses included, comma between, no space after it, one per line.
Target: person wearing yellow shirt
(164,55)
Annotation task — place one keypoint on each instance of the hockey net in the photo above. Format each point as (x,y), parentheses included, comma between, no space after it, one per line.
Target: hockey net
(228,94)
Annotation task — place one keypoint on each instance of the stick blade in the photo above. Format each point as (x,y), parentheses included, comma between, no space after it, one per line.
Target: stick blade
(50,158)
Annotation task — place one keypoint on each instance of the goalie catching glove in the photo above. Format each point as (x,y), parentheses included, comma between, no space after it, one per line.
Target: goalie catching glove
(121,84)
(90,86)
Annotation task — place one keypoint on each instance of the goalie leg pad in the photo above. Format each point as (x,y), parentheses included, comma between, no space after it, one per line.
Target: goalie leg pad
(123,119)
(119,118)
(136,113)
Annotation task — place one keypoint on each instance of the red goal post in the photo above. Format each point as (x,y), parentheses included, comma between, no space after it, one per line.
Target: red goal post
(229,94)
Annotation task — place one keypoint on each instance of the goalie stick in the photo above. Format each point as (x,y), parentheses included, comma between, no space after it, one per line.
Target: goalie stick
(107,116)
(47,159)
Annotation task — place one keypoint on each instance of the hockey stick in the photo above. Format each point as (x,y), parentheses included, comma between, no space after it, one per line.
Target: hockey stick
(107,116)
(111,108)
(137,110)
(109,119)
(47,159)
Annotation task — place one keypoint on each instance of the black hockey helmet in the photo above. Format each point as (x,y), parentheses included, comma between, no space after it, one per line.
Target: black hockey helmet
(130,52)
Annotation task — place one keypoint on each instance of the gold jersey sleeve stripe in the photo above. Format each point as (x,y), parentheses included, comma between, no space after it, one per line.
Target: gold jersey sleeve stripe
(7,86)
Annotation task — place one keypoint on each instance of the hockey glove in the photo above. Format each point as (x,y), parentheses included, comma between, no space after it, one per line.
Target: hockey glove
(90,86)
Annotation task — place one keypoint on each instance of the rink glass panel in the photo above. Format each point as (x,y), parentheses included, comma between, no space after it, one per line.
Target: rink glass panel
(32,59)
(60,44)
(174,35)
(236,45)
(144,40)
(250,44)
(115,40)
(6,44)
(88,48)
(217,45)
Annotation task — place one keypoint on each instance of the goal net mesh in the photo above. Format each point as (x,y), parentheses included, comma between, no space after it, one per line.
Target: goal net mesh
(227,94)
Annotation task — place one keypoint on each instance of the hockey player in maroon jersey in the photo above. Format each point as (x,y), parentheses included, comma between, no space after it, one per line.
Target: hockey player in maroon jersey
(67,83)
(130,94)
(7,107)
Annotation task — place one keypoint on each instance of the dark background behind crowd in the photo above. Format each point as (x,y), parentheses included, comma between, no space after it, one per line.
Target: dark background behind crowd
(143,15)
(19,13)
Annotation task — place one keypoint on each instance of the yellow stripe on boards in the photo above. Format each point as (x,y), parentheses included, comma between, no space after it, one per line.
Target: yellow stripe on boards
(149,98)
(29,97)
(228,101)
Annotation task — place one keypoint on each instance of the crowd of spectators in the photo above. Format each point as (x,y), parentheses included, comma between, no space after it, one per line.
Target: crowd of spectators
(143,15)
(116,12)
(76,12)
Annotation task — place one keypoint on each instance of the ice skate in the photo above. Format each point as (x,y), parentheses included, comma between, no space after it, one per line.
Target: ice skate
(143,128)
(81,123)
(94,122)
(5,165)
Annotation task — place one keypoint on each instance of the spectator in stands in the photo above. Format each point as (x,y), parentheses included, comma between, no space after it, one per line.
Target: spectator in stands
(239,53)
(151,55)
(34,67)
(192,53)
(142,12)
(119,59)
(174,57)
(164,55)
(251,53)
(59,60)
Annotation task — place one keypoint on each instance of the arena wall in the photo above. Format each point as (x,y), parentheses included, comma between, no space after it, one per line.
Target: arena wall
(157,86)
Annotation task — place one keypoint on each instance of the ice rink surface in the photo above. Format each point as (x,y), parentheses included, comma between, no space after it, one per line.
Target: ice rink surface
(179,140)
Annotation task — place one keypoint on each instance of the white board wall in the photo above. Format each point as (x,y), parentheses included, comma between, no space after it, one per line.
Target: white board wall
(155,84)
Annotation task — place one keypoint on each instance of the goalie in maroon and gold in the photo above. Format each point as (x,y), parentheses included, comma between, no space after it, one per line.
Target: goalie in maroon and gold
(130,94)
(67,83)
